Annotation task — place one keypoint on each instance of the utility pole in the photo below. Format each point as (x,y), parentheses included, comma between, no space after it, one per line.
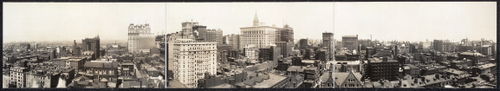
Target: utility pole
(166,59)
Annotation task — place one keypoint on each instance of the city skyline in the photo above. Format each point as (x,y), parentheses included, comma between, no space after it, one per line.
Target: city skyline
(472,20)
(250,45)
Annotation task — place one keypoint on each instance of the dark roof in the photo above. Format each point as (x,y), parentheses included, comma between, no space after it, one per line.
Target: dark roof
(101,64)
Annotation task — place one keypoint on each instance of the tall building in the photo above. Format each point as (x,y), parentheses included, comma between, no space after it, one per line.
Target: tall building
(92,44)
(438,45)
(186,34)
(285,48)
(210,35)
(285,40)
(140,38)
(76,49)
(232,40)
(258,35)
(192,60)
(303,44)
(266,54)
(350,42)
(328,44)
(286,34)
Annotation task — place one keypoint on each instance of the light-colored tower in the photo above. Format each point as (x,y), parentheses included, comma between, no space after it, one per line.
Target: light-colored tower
(140,38)
(256,20)
(258,35)
(193,60)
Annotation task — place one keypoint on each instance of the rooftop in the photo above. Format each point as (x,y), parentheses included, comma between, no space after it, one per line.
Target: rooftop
(273,80)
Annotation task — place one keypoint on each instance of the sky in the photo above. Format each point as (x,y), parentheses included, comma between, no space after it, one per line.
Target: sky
(410,21)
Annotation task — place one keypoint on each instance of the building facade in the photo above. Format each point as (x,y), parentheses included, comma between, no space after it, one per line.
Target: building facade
(251,52)
(140,38)
(210,35)
(378,69)
(193,60)
(232,40)
(350,42)
(258,35)
(328,44)
(18,77)
(92,44)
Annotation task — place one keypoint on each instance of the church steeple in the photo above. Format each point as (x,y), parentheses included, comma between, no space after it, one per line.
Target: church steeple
(255,20)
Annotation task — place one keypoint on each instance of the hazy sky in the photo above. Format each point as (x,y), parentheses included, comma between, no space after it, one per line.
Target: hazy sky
(309,20)
(383,20)
(75,21)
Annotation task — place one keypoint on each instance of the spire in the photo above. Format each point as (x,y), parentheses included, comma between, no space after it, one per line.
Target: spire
(331,78)
(255,20)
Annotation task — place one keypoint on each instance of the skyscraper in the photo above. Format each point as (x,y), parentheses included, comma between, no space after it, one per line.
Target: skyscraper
(286,34)
(192,60)
(303,44)
(92,44)
(76,49)
(438,45)
(350,42)
(328,44)
(140,38)
(285,40)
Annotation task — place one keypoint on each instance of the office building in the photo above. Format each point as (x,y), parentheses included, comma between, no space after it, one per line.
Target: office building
(378,69)
(192,60)
(258,35)
(210,35)
(140,38)
(92,44)
(350,42)
(328,44)
(232,40)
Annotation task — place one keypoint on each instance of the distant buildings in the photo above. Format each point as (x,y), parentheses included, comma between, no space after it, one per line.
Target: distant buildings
(92,44)
(350,42)
(303,44)
(443,46)
(232,40)
(438,45)
(210,35)
(140,38)
(76,51)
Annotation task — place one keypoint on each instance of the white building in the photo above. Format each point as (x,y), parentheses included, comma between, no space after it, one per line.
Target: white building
(232,40)
(192,60)
(140,38)
(258,35)
(251,52)
(18,76)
